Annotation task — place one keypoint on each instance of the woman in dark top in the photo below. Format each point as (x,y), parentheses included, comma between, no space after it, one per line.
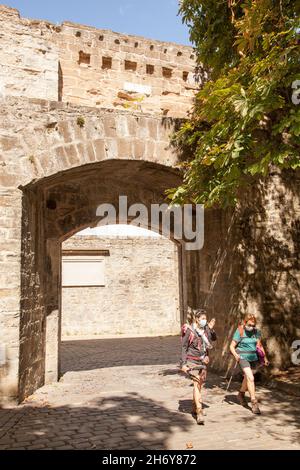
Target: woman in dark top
(197,336)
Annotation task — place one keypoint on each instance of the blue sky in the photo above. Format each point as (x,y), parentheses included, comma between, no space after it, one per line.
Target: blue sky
(155,19)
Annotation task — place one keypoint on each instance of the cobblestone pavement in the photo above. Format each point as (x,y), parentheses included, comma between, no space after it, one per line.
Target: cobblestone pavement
(127,394)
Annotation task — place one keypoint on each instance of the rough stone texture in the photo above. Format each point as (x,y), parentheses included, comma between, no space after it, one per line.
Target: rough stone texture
(62,154)
(96,406)
(141,292)
(54,175)
(144,74)
(251,263)
(87,66)
(41,138)
(28,57)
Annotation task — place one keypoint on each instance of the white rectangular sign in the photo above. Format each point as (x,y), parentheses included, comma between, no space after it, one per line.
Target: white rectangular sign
(136,88)
(82,271)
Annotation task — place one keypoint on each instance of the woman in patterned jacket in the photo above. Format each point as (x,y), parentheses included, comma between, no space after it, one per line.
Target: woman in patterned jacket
(197,336)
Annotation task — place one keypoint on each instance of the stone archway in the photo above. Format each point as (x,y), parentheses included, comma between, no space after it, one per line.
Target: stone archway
(45,142)
(54,209)
(46,155)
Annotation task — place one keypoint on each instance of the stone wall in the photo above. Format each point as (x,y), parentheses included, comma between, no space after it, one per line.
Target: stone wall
(251,263)
(92,67)
(54,174)
(59,160)
(28,57)
(40,138)
(141,292)
(107,69)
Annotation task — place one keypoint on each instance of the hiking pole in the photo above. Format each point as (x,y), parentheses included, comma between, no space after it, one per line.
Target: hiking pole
(230,380)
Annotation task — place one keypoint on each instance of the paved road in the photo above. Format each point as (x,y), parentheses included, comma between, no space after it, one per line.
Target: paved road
(113,396)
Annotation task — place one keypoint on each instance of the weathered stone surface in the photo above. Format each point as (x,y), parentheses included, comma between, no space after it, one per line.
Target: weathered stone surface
(70,63)
(141,291)
(251,263)
(44,140)
(64,151)
(28,57)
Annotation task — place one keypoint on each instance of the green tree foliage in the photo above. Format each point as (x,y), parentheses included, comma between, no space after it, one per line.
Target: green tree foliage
(245,120)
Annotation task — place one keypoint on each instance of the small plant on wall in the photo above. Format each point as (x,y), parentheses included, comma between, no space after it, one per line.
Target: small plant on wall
(80,121)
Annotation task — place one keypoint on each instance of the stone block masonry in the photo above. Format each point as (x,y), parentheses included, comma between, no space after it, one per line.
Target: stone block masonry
(93,67)
(28,57)
(102,68)
(140,295)
(87,115)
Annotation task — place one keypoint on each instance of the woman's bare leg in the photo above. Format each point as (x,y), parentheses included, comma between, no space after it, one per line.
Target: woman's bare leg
(197,396)
(251,387)
(244,386)
(243,389)
(250,382)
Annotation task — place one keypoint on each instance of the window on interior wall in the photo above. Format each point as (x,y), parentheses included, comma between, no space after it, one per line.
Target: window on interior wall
(106,62)
(83,269)
(84,58)
(129,65)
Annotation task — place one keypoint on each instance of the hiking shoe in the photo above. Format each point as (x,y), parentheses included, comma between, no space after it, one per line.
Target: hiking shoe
(255,408)
(242,399)
(200,417)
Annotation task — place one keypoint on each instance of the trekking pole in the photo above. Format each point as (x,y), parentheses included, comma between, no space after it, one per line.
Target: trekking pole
(230,380)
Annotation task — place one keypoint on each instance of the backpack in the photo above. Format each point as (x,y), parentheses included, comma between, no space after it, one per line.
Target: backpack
(241,331)
(184,329)
(192,335)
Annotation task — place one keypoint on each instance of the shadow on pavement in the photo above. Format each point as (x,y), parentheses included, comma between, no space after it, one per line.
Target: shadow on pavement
(127,422)
(94,354)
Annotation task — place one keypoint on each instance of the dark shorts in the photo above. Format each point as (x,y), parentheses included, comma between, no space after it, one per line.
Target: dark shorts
(202,373)
(254,365)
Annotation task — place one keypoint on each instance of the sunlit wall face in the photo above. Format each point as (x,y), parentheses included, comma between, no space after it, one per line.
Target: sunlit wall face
(119,280)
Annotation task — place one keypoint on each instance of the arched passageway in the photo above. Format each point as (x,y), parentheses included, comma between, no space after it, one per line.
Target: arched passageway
(54,209)
(55,173)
